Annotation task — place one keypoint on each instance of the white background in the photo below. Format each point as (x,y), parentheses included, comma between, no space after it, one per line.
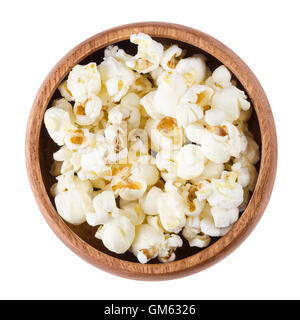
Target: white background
(34,264)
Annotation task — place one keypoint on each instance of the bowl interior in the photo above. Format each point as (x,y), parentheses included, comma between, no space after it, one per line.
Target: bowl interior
(47,147)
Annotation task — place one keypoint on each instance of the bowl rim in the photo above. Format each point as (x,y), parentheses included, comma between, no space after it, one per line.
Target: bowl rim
(268,163)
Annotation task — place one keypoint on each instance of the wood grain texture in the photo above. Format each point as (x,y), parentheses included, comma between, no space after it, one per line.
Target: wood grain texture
(39,149)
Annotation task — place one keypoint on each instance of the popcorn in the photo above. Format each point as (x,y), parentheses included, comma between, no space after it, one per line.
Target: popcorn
(190,161)
(58,120)
(164,134)
(116,77)
(127,184)
(193,205)
(169,61)
(221,77)
(192,233)
(133,212)
(171,209)
(252,151)
(153,148)
(224,217)
(69,181)
(84,81)
(171,87)
(165,162)
(218,143)
(171,243)
(65,92)
(226,193)
(117,53)
(78,139)
(200,241)
(149,104)
(147,242)
(208,227)
(147,172)
(215,117)
(193,105)
(231,100)
(72,205)
(192,69)
(105,209)
(89,111)
(117,235)
(149,53)
(203,190)
(149,201)
(211,170)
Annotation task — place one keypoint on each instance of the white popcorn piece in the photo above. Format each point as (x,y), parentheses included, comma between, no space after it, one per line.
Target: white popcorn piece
(171,87)
(190,161)
(65,92)
(226,192)
(69,181)
(147,242)
(169,61)
(218,143)
(116,77)
(171,210)
(231,100)
(141,85)
(117,53)
(58,120)
(193,69)
(127,185)
(211,170)
(251,153)
(146,172)
(133,212)
(128,111)
(149,201)
(62,154)
(243,174)
(89,111)
(247,174)
(164,134)
(105,209)
(224,217)
(166,162)
(149,53)
(192,232)
(117,235)
(174,184)
(193,105)
(208,226)
(84,81)
(203,190)
(171,243)
(72,205)
(200,241)
(76,139)
(149,104)
(193,205)
(215,117)
(192,227)
(221,77)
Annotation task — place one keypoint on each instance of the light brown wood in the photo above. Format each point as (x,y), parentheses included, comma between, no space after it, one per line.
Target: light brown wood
(80,239)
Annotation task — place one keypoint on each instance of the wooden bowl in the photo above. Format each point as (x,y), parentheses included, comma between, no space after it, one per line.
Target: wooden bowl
(80,239)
